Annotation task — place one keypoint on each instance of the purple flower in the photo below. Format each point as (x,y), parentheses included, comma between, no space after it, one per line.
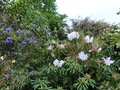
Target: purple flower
(6,41)
(8,29)
(10,41)
(9,37)
(23,43)
(13,23)
(5,31)
(32,38)
(14,71)
(7,75)
(17,32)
(25,31)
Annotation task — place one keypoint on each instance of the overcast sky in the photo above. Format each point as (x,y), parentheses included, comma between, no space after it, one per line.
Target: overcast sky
(96,9)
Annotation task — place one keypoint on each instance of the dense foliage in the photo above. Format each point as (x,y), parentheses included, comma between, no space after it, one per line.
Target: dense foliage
(89,26)
(36,53)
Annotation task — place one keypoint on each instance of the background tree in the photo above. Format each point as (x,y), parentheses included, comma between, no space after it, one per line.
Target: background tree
(89,26)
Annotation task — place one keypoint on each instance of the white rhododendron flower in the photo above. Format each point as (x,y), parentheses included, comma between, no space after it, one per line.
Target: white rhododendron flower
(50,47)
(89,39)
(13,61)
(73,35)
(58,63)
(62,46)
(99,49)
(108,61)
(2,58)
(83,56)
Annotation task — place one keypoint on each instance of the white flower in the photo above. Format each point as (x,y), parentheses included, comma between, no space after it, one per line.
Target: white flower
(52,54)
(58,63)
(2,58)
(83,56)
(89,39)
(50,47)
(62,46)
(13,61)
(53,41)
(90,51)
(108,61)
(73,35)
(99,49)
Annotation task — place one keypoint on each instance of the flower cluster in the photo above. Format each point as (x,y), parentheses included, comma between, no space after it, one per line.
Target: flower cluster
(7,30)
(108,61)
(83,56)
(50,47)
(2,58)
(89,39)
(73,35)
(62,46)
(8,40)
(25,35)
(58,63)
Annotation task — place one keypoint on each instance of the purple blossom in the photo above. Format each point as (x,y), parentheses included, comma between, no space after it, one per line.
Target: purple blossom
(10,41)
(8,29)
(6,41)
(9,37)
(32,38)
(23,43)
(13,23)
(5,31)
(7,75)
(25,31)
(17,32)
(14,71)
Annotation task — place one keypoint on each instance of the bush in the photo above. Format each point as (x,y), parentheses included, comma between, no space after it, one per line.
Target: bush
(33,56)
(89,26)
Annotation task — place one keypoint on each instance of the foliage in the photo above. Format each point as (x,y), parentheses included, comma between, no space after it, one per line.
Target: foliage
(89,26)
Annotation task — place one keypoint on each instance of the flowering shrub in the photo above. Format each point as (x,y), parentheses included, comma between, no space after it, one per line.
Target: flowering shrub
(81,65)
(33,57)
(78,62)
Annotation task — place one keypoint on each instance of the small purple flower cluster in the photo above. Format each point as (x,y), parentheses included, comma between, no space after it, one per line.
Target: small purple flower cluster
(9,39)
(7,75)
(7,30)
(26,32)
(23,43)
(31,38)
(18,32)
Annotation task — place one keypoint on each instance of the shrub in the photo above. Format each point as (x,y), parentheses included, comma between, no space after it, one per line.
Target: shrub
(89,26)
(32,56)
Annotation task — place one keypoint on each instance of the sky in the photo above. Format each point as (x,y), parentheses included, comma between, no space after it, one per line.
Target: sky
(95,9)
